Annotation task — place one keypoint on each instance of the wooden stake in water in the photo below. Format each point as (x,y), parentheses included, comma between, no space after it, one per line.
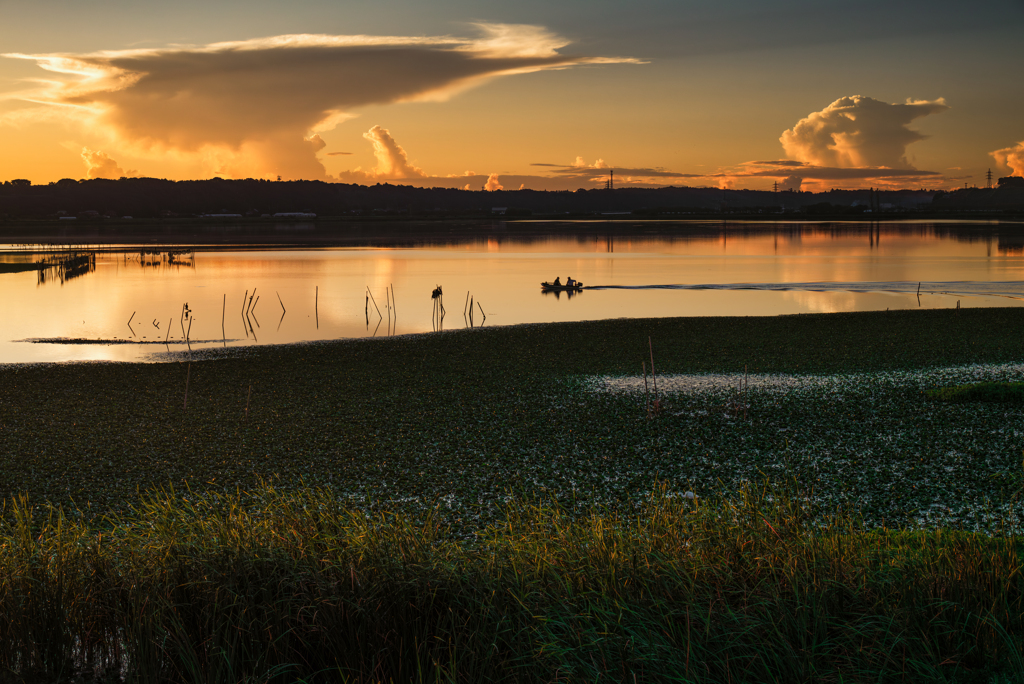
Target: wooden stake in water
(223,310)
(316,307)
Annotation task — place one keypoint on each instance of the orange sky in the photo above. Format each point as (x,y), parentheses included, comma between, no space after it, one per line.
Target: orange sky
(729,94)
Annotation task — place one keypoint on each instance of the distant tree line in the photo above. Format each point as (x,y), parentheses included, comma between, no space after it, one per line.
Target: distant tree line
(157,198)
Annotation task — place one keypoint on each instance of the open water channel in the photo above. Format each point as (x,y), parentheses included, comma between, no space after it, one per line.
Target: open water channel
(139,301)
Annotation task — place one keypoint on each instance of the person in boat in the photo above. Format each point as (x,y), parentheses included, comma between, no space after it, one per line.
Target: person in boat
(558,282)
(569,282)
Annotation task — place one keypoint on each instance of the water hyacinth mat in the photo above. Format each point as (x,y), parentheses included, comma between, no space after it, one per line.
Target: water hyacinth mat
(460,422)
(870,443)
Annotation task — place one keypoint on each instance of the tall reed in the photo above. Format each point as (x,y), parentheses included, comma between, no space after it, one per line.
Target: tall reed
(274,586)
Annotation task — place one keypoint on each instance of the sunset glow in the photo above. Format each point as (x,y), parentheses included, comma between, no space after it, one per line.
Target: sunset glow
(812,96)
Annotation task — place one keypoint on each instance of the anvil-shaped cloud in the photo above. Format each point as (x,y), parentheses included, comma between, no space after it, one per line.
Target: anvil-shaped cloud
(859,131)
(254,106)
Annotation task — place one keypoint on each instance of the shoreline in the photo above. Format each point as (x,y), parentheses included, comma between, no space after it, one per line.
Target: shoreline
(200,233)
(701,329)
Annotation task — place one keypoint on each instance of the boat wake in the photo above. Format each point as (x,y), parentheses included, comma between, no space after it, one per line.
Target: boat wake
(1008,288)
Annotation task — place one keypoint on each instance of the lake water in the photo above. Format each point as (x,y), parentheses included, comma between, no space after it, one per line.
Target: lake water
(117,303)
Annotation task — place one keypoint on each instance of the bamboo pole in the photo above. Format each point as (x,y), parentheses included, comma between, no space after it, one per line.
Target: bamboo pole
(374,301)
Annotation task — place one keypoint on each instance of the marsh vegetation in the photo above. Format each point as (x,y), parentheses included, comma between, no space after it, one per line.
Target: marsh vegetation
(488,505)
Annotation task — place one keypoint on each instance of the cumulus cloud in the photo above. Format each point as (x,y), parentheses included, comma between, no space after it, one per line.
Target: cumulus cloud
(252,106)
(492,183)
(1012,157)
(392,161)
(858,131)
(791,183)
(99,165)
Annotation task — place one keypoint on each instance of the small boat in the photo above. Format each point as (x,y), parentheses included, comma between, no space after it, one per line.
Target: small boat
(548,287)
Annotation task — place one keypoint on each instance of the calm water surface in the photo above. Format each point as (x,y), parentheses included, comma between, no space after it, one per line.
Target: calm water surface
(118,294)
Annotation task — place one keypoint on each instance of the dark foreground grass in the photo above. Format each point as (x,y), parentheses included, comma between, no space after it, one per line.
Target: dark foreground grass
(458,447)
(1011,392)
(190,588)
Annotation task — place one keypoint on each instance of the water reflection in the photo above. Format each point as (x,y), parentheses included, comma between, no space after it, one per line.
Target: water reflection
(50,267)
(65,267)
(632,269)
(569,294)
(186,258)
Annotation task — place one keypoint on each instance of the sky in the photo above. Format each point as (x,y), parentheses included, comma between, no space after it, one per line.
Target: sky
(805,94)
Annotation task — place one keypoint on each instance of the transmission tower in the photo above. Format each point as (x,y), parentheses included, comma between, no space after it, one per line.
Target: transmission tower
(989,176)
